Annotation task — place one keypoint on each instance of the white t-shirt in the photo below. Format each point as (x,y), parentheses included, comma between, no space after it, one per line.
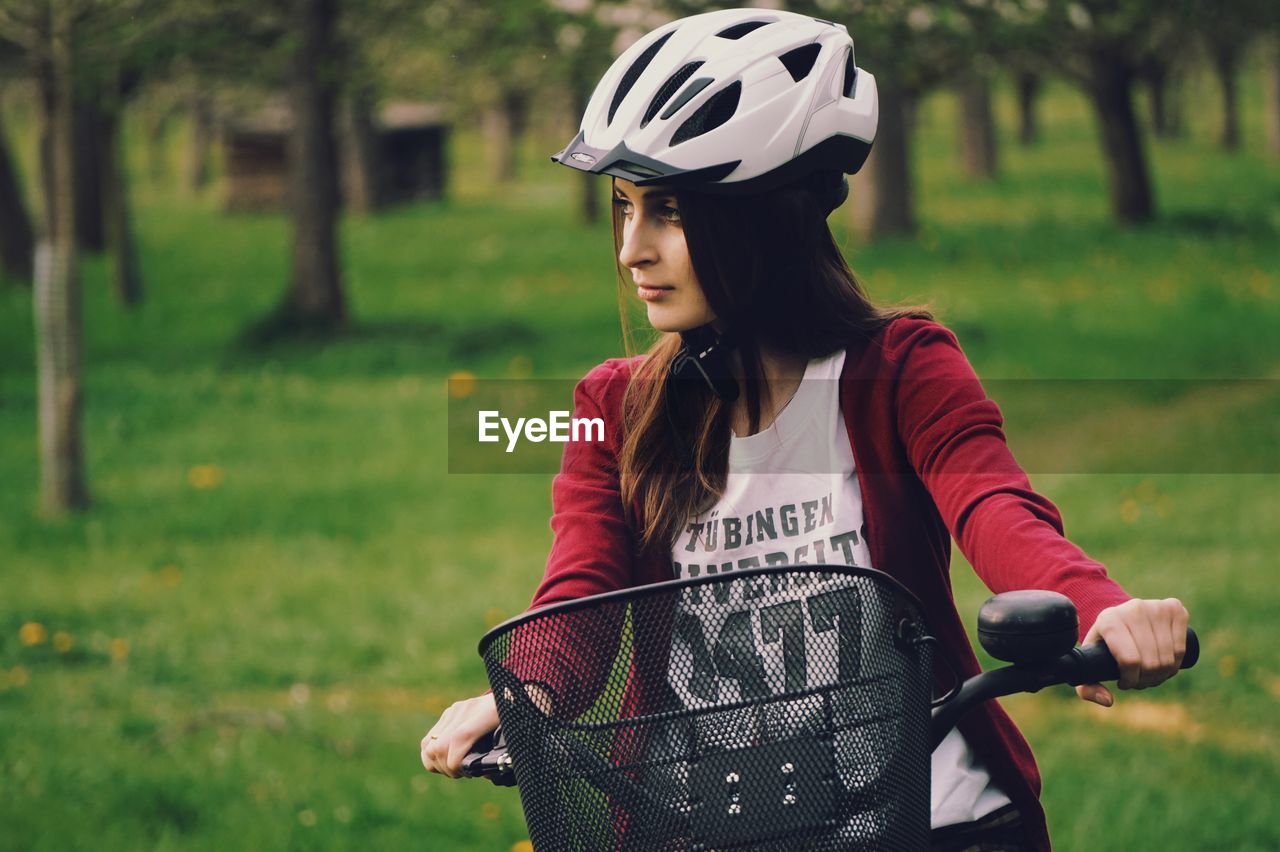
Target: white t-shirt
(792,497)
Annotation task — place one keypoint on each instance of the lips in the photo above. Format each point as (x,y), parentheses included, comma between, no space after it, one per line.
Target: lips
(652,294)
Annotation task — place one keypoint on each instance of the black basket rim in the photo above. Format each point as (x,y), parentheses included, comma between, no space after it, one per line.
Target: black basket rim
(648,589)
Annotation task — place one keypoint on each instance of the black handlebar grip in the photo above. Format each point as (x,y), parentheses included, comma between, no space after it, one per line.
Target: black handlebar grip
(489,758)
(1094,663)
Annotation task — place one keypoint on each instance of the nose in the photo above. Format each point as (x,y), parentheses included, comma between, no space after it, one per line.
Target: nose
(638,247)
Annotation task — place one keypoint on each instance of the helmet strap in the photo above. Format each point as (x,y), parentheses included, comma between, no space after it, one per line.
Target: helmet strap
(704,357)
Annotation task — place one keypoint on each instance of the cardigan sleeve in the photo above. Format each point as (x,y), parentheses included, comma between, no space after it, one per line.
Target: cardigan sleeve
(591,553)
(954,438)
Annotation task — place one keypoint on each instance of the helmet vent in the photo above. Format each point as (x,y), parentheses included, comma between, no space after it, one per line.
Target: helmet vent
(718,109)
(850,74)
(799,62)
(634,72)
(739,30)
(668,89)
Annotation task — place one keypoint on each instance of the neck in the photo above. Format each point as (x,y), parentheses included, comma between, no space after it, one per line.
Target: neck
(782,376)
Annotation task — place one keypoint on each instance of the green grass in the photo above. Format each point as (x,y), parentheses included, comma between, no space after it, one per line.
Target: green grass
(253,661)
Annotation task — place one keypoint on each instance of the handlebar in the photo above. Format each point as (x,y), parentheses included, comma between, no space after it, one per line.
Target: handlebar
(1094,663)
(1083,664)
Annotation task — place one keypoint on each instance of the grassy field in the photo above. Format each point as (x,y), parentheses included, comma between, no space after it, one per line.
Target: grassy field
(279,586)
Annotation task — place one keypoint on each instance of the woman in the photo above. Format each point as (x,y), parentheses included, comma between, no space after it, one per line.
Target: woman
(727,136)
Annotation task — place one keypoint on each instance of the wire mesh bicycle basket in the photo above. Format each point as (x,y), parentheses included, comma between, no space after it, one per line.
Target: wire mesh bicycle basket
(772,708)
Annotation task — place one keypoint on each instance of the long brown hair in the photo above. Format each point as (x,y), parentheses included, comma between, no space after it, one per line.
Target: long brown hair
(772,271)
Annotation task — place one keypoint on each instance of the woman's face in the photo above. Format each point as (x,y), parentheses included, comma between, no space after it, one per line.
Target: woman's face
(655,252)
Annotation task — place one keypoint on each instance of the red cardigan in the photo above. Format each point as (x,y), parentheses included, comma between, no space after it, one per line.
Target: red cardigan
(932,463)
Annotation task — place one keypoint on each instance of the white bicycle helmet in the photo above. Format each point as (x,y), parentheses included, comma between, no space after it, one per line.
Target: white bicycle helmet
(740,100)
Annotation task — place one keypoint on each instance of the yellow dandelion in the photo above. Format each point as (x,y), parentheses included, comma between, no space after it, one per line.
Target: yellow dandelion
(307,817)
(205,476)
(462,384)
(342,814)
(494,616)
(170,576)
(520,367)
(32,633)
(1130,511)
(1227,665)
(119,650)
(18,676)
(63,641)
(489,811)
(522,846)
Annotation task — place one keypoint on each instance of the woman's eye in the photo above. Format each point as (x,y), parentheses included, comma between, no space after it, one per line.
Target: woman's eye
(623,204)
(670,214)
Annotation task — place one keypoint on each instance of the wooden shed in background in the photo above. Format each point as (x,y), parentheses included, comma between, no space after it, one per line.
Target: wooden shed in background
(399,159)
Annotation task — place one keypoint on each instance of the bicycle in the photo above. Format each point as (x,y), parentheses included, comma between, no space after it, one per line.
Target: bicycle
(787,707)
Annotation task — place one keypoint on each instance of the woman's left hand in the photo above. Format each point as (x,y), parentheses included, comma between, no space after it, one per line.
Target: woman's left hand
(1148,639)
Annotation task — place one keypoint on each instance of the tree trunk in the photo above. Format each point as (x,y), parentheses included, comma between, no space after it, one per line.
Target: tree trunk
(315,300)
(361,179)
(157,150)
(1028,85)
(978,151)
(89,176)
(502,126)
(125,277)
(46,104)
(499,143)
(1128,174)
(1271,112)
(57,298)
(16,240)
(882,192)
(1226,60)
(199,142)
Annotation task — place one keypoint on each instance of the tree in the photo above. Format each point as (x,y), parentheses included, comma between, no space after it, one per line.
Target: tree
(1101,45)
(1234,26)
(979,145)
(312,49)
(314,300)
(502,52)
(46,33)
(1027,84)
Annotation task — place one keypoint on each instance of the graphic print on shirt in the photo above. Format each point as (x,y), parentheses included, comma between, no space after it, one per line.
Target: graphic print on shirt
(761,643)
